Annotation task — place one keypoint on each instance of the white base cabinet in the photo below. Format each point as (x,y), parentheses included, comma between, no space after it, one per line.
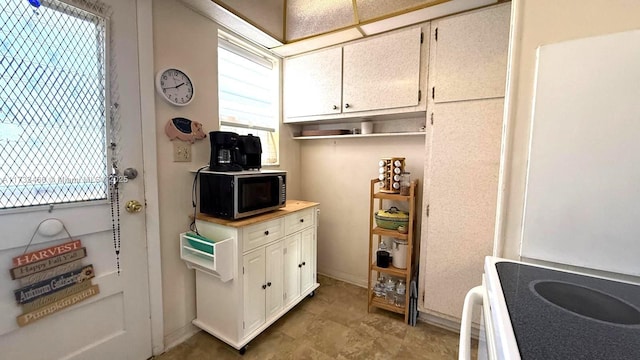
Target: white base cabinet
(274,268)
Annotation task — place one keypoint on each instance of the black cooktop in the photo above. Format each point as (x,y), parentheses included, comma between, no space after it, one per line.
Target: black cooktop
(560,315)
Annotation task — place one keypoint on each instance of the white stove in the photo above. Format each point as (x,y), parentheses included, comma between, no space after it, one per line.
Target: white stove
(537,312)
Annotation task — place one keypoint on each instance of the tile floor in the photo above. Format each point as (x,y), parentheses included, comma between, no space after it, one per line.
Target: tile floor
(334,324)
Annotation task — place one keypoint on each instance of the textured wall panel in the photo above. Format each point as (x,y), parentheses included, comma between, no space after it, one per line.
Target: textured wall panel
(372,9)
(312,17)
(265,14)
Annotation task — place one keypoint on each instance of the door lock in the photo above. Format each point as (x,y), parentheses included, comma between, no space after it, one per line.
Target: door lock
(130,173)
(133,206)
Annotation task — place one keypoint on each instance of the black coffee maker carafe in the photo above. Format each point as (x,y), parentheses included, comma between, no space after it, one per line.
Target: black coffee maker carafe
(225,154)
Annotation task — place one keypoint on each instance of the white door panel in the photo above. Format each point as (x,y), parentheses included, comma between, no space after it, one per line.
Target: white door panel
(291,268)
(254,299)
(307,245)
(274,278)
(114,324)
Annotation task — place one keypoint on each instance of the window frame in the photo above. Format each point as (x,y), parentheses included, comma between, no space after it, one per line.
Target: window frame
(69,9)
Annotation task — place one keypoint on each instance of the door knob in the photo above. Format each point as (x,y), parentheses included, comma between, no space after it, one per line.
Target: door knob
(133,206)
(130,173)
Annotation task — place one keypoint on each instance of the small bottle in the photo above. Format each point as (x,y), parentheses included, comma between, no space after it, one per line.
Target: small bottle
(383,256)
(379,289)
(401,290)
(390,291)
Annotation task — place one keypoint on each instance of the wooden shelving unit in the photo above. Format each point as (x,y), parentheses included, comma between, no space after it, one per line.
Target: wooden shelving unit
(376,234)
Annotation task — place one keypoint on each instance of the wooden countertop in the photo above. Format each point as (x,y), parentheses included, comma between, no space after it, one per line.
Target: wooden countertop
(291,207)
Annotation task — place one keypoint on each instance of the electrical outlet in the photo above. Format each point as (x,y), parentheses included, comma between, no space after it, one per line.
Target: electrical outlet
(181,151)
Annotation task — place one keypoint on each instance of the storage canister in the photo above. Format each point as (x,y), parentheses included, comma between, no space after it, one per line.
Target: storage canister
(399,253)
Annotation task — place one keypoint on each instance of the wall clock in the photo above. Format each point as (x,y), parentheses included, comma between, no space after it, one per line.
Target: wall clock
(175,86)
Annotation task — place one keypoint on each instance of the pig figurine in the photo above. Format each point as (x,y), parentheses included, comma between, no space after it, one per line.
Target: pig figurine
(184,129)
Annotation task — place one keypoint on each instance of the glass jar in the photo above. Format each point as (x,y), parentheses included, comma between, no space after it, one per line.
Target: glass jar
(405,183)
(401,291)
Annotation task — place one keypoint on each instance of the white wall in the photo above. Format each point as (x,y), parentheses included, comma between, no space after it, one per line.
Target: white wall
(539,22)
(187,40)
(337,173)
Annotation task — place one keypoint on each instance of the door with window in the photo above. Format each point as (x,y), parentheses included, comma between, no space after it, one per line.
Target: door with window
(70,126)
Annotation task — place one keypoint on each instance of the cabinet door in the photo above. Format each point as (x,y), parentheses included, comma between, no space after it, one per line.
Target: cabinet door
(254,278)
(307,258)
(313,84)
(292,265)
(274,276)
(471,55)
(463,188)
(382,72)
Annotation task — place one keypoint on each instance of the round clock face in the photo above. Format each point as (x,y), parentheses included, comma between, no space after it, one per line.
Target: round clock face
(175,86)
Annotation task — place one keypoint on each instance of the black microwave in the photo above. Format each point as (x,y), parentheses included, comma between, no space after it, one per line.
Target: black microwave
(234,195)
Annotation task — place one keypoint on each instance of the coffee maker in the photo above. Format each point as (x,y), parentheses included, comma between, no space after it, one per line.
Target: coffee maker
(225,154)
(250,152)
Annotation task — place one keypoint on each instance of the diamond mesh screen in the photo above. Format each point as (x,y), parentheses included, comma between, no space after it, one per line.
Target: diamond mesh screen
(53,146)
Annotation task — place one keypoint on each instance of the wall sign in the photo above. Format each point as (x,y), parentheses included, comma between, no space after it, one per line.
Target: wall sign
(184,129)
(28,269)
(30,317)
(51,280)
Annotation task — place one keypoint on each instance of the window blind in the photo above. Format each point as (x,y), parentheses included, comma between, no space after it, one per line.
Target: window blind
(248,95)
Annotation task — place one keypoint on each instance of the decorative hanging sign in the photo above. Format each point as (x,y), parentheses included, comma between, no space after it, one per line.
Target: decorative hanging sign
(46,253)
(42,275)
(25,270)
(26,319)
(46,287)
(49,299)
(184,129)
(51,279)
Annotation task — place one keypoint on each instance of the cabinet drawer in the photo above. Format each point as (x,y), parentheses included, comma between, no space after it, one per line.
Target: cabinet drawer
(262,233)
(299,220)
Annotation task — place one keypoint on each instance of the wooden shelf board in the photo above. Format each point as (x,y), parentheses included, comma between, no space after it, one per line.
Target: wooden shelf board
(389,233)
(391,196)
(391,270)
(346,136)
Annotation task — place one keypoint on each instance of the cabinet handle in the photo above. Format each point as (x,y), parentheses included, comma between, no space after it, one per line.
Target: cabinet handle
(269,283)
(347,105)
(301,220)
(299,265)
(264,287)
(266,233)
(304,263)
(335,107)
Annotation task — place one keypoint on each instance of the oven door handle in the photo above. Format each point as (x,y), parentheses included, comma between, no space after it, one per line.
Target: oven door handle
(474,297)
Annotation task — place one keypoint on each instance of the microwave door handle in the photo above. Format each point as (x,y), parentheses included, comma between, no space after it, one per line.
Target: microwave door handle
(474,297)
(283,199)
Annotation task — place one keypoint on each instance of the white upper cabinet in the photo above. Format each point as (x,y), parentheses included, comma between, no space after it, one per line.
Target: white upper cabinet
(382,73)
(471,55)
(312,84)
